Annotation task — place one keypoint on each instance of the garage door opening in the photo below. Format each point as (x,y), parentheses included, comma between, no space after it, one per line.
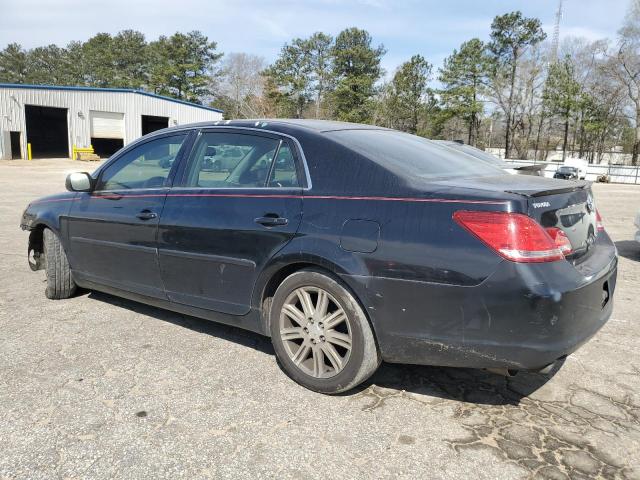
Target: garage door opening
(15,145)
(151,123)
(47,131)
(105,147)
(107,132)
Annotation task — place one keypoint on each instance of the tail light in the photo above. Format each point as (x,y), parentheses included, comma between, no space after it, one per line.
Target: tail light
(513,236)
(561,240)
(599,224)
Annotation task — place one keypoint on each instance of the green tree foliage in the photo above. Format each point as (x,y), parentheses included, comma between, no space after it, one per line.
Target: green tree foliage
(302,74)
(47,65)
(99,58)
(562,95)
(129,55)
(319,64)
(463,76)
(356,69)
(13,64)
(511,35)
(278,102)
(181,65)
(75,64)
(599,120)
(408,94)
(290,77)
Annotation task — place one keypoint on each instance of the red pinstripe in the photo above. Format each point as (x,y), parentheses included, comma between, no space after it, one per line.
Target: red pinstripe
(306,197)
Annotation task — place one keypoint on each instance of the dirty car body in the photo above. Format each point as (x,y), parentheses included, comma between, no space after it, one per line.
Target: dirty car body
(365,209)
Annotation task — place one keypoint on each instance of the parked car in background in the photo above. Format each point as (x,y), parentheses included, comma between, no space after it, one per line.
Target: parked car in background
(580,164)
(565,172)
(346,244)
(535,170)
(221,158)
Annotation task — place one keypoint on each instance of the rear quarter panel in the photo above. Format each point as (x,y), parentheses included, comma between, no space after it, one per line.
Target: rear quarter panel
(414,278)
(420,254)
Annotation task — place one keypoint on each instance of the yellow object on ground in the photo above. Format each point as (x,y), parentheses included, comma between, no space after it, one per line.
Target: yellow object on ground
(79,150)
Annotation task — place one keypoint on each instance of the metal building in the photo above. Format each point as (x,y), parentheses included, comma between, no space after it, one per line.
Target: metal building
(52,120)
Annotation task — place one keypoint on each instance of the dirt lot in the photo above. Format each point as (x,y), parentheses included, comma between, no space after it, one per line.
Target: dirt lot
(99,387)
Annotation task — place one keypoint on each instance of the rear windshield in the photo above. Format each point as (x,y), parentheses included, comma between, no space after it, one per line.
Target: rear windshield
(567,169)
(413,156)
(479,154)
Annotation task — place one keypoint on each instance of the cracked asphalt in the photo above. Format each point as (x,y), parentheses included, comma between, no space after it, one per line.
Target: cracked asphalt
(100,387)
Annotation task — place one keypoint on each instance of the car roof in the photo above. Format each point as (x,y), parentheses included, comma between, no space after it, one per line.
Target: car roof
(288,124)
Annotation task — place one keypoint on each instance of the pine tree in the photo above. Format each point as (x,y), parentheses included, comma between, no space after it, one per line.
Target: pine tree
(181,65)
(13,64)
(290,76)
(408,92)
(562,95)
(463,76)
(319,61)
(356,68)
(511,35)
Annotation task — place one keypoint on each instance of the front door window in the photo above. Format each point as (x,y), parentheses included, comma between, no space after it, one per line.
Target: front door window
(145,166)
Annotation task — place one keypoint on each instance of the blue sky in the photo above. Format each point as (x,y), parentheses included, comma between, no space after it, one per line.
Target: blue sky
(405,27)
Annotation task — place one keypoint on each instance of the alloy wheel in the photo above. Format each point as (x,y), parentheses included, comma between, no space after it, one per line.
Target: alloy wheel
(315,332)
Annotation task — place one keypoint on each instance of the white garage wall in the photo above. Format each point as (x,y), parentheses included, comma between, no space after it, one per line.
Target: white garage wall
(80,101)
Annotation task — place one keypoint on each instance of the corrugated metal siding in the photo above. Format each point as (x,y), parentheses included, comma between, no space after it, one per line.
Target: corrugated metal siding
(79,103)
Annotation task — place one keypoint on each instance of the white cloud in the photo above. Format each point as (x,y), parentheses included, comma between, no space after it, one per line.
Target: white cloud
(583,32)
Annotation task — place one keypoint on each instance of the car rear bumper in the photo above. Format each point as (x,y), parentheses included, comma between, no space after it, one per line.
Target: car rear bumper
(524,316)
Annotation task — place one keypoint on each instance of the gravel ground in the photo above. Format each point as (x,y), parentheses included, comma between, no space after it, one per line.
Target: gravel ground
(100,387)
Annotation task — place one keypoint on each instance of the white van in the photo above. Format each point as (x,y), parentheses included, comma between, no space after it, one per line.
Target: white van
(580,163)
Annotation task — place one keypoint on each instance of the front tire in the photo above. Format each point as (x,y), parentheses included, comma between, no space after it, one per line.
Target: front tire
(321,336)
(60,283)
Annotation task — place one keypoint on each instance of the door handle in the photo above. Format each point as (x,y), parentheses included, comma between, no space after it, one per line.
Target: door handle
(146,215)
(271,221)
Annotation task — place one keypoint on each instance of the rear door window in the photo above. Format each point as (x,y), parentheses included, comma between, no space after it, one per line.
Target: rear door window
(231,160)
(284,172)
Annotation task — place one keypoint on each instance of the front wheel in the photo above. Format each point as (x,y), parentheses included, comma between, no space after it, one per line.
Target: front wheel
(320,334)
(60,283)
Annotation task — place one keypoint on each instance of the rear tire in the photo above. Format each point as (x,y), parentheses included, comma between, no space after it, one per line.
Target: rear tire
(326,343)
(60,283)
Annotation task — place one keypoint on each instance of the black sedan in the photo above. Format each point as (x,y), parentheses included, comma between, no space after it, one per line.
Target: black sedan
(566,173)
(346,244)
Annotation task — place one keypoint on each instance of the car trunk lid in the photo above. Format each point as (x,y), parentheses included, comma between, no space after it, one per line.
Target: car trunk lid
(565,205)
(572,210)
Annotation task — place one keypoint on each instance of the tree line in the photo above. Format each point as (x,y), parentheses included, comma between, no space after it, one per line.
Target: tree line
(178,66)
(514,90)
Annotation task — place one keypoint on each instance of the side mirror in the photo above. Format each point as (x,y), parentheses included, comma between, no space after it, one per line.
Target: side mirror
(79,182)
